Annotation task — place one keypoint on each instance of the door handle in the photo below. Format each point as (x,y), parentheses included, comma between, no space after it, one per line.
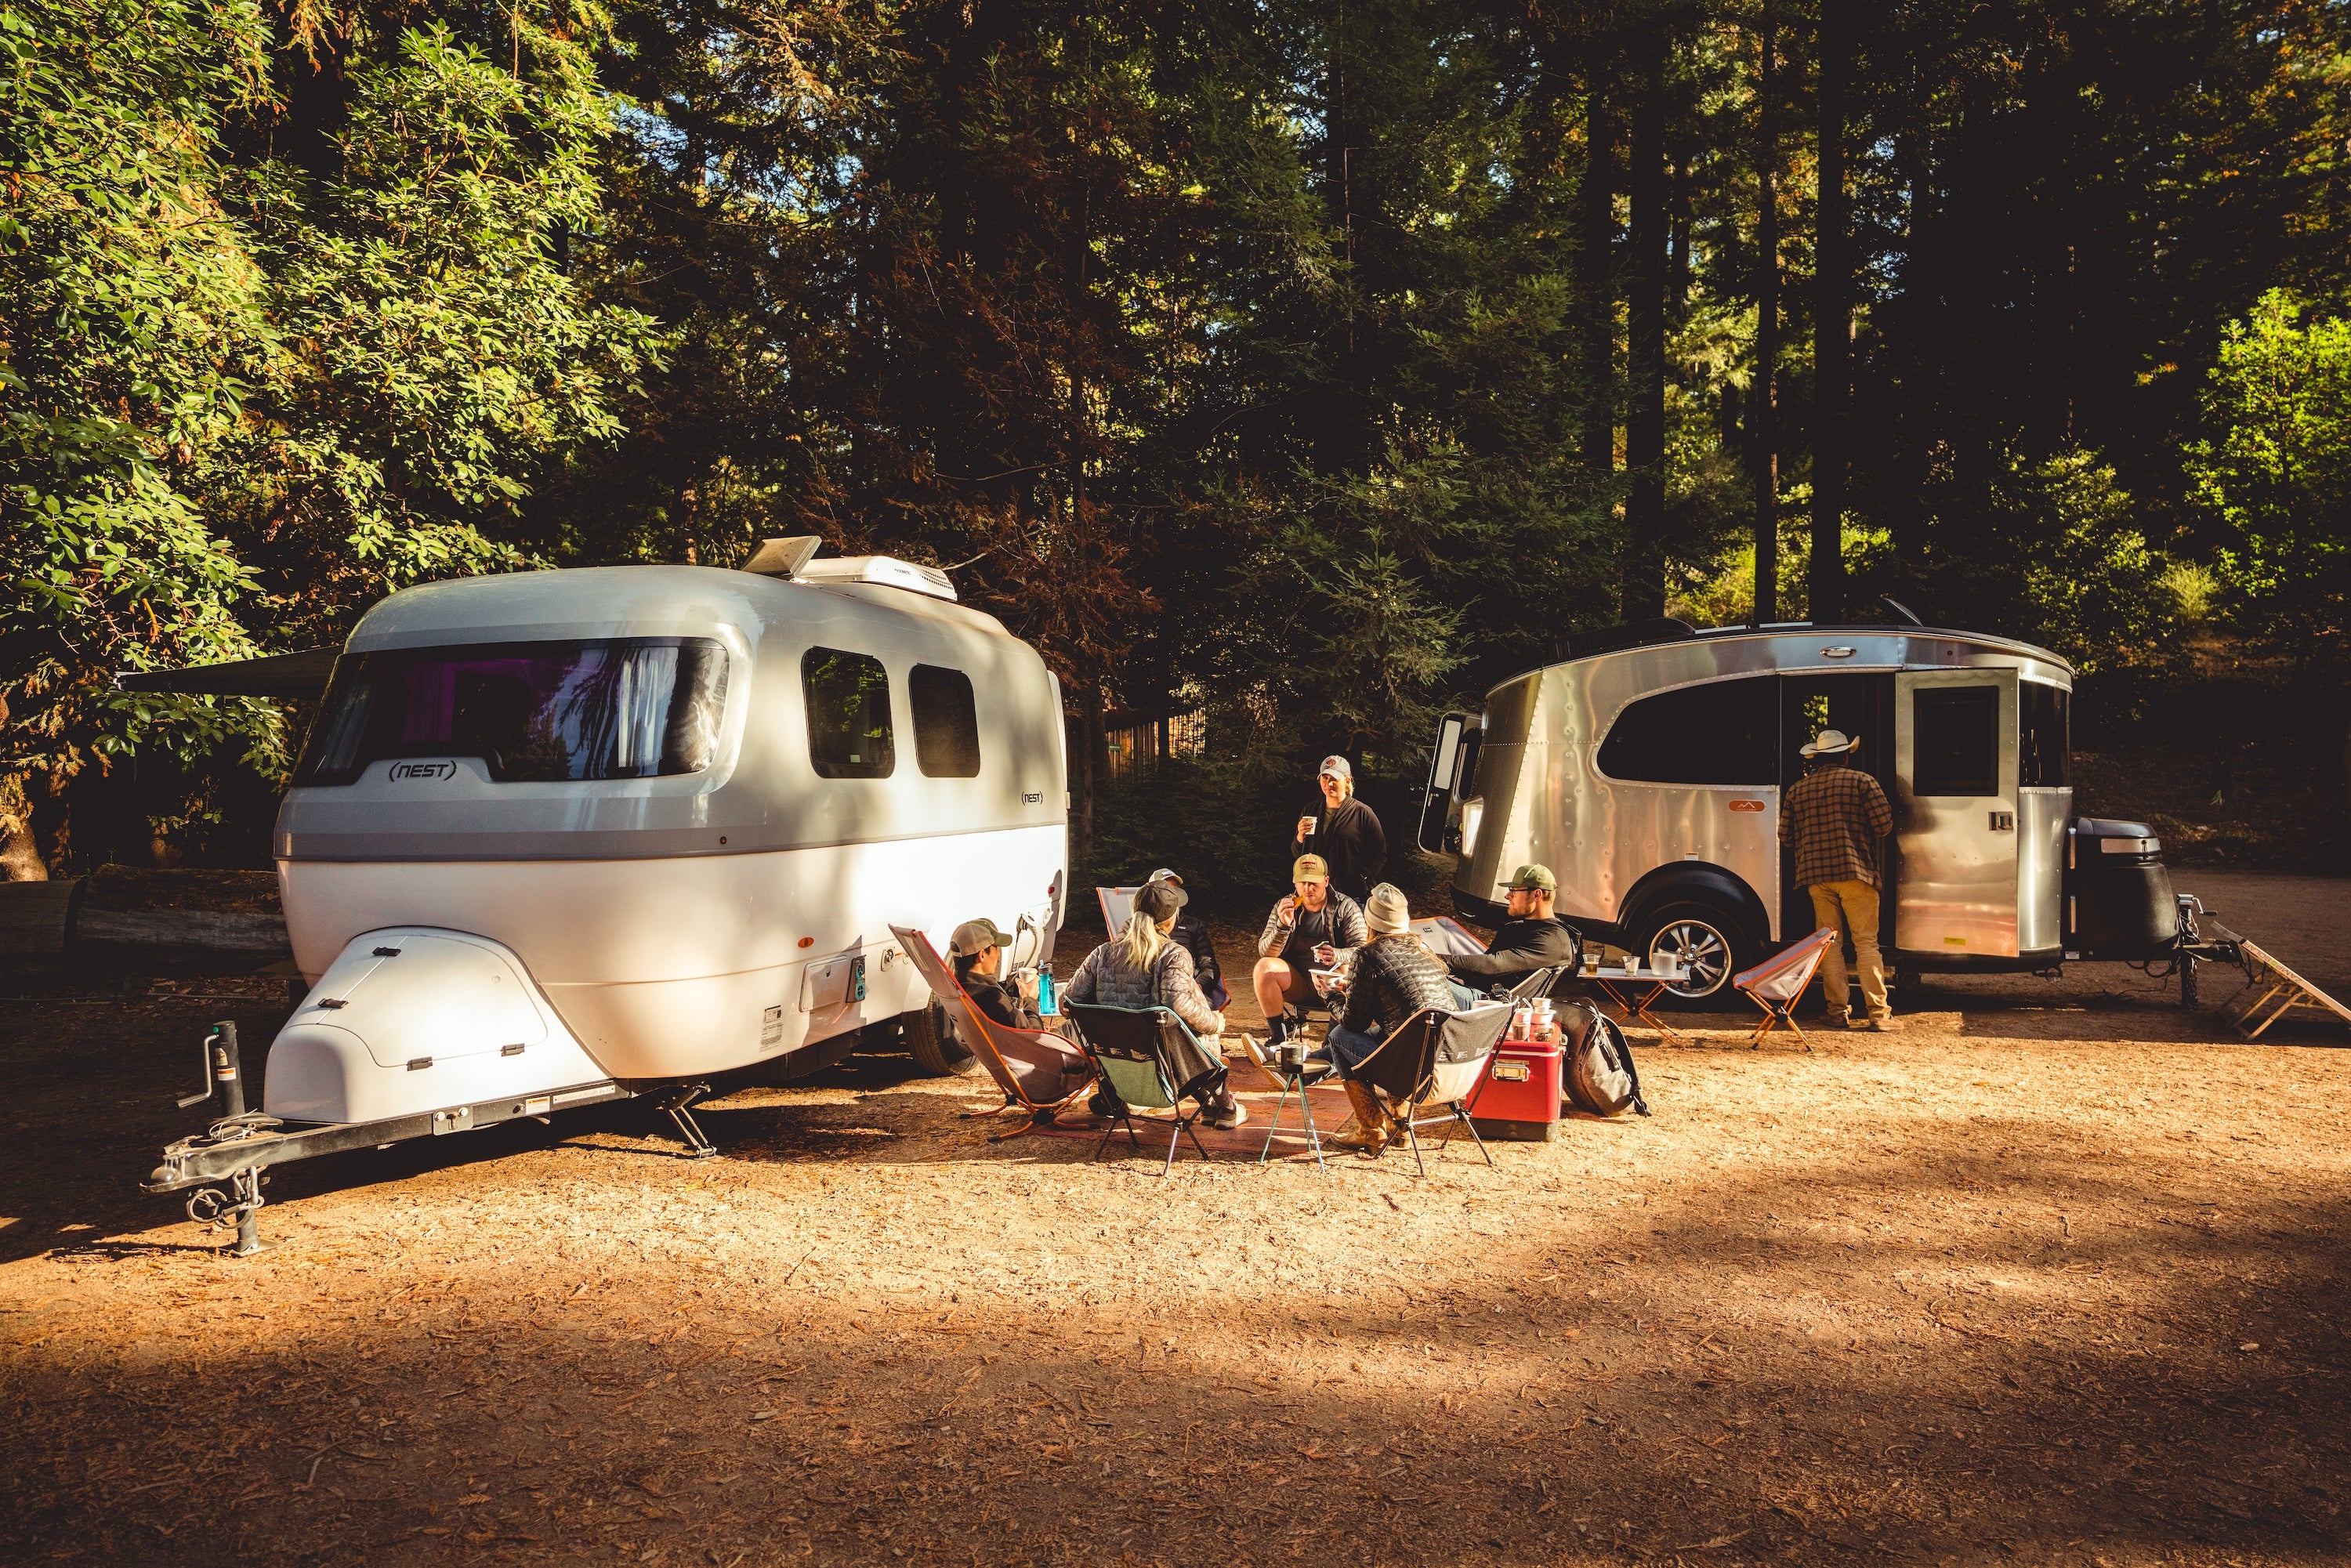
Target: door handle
(2003,821)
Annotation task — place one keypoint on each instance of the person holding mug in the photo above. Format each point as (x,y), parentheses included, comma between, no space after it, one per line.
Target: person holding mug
(1345,833)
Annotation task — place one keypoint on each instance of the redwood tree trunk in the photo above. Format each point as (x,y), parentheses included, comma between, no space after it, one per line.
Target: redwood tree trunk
(1832,327)
(1764,421)
(1642,593)
(1595,255)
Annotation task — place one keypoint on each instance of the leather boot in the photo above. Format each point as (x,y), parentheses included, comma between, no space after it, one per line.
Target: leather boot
(1367,1129)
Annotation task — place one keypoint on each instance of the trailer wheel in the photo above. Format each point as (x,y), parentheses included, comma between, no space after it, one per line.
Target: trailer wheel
(932,1041)
(1708,941)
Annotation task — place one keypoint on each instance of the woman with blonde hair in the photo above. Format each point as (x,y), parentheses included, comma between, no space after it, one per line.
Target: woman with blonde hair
(1142,967)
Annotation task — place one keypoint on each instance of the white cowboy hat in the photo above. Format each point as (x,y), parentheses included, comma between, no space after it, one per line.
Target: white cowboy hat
(1831,741)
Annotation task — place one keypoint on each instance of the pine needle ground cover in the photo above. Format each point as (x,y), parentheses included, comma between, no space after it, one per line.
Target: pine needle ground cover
(2051,1277)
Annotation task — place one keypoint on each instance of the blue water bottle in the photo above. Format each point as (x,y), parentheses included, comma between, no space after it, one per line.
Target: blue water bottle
(1046,1006)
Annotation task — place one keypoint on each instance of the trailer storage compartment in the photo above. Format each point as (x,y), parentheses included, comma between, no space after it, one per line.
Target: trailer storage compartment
(2118,893)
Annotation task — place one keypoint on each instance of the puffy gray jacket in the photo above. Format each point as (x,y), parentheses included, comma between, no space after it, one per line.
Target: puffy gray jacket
(1108,979)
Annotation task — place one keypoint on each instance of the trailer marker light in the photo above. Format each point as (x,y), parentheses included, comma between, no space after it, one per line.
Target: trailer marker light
(419,1063)
(387,953)
(510,1051)
(332,1003)
(808,941)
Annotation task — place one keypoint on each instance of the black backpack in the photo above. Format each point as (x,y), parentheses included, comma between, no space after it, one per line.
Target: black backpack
(1598,1070)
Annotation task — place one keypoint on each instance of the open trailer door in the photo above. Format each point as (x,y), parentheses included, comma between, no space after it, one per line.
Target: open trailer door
(1456,751)
(1955,765)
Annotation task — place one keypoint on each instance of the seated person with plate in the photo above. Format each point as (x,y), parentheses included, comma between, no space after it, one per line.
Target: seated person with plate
(1533,939)
(1307,931)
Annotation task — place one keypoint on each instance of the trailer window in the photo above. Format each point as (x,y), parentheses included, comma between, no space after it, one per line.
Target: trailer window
(2043,724)
(947,724)
(623,707)
(848,714)
(1955,741)
(1724,732)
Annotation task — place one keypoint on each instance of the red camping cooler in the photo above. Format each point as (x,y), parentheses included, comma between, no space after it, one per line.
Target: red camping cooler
(1521,1096)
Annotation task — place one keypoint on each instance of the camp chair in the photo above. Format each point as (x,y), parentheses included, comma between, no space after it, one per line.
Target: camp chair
(1435,1057)
(1774,984)
(1151,1061)
(1029,1065)
(1539,984)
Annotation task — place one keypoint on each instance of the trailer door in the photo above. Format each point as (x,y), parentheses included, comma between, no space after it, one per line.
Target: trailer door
(1955,763)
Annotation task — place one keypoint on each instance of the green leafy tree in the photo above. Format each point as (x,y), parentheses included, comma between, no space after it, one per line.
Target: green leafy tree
(2278,474)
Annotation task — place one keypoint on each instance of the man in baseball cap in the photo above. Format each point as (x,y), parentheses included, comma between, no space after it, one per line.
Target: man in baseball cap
(1533,939)
(1344,832)
(1307,931)
(1191,934)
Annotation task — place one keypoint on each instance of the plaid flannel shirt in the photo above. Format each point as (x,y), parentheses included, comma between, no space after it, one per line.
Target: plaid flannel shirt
(1834,817)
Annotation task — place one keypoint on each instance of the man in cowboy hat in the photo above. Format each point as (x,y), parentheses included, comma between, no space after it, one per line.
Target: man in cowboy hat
(1833,818)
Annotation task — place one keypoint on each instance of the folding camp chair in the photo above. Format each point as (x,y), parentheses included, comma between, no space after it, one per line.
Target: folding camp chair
(1776,983)
(1033,1067)
(1153,1061)
(1435,1057)
(1539,984)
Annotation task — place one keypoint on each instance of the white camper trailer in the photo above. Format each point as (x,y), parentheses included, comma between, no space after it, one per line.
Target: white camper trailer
(566,836)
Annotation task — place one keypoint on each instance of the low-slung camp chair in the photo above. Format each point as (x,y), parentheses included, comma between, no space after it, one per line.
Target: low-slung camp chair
(1035,1069)
(1775,984)
(1151,1061)
(1435,1057)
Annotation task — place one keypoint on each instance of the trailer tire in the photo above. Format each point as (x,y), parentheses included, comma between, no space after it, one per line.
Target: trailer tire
(1709,938)
(931,1040)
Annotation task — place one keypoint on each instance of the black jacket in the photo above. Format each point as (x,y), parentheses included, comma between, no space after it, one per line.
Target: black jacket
(1000,1002)
(1395,977)
(1519,948)
(1351,839)
(1191,934)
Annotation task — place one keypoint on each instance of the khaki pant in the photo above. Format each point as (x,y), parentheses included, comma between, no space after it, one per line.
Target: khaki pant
(1850,907)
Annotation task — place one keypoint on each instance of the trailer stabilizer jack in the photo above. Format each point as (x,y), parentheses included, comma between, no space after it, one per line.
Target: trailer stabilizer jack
(679,1106)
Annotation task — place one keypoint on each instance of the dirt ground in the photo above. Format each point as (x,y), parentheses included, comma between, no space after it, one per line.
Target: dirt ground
(2054,1275)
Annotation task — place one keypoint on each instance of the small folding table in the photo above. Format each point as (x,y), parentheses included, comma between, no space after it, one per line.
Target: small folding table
(1633,1003)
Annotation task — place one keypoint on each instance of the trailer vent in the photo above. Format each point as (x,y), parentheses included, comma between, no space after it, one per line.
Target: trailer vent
(880,571)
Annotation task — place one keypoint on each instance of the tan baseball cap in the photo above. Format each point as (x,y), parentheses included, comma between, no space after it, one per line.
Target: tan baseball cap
(1310,868)
(976,937)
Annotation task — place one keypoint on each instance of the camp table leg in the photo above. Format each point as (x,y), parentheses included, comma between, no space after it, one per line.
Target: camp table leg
(1305,1109)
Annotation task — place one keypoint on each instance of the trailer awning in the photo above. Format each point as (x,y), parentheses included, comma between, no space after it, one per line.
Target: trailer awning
(277,675)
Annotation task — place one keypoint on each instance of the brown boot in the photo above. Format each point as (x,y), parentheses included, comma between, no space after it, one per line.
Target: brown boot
(1367,1130)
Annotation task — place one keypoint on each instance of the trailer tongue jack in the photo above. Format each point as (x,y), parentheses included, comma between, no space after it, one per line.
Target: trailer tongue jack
(236,1208)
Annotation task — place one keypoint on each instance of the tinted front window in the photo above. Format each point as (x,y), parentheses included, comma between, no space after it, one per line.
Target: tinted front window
(624,707)
(1724,732)
(1955,741)
(848,714)
(947,724)
(2042,723)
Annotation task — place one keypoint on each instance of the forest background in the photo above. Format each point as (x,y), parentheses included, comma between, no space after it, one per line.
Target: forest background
(1312,364)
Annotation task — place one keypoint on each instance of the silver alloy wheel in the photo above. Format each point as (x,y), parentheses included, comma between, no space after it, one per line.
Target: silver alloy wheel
(1700,948)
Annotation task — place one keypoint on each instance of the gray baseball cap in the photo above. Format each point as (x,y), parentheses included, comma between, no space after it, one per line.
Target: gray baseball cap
(1337,767)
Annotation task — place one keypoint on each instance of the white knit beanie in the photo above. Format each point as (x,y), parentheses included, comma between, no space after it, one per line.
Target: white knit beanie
(1386,912)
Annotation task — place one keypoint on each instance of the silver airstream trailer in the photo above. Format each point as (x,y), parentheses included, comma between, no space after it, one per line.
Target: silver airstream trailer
(1647,774)
(567,836)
